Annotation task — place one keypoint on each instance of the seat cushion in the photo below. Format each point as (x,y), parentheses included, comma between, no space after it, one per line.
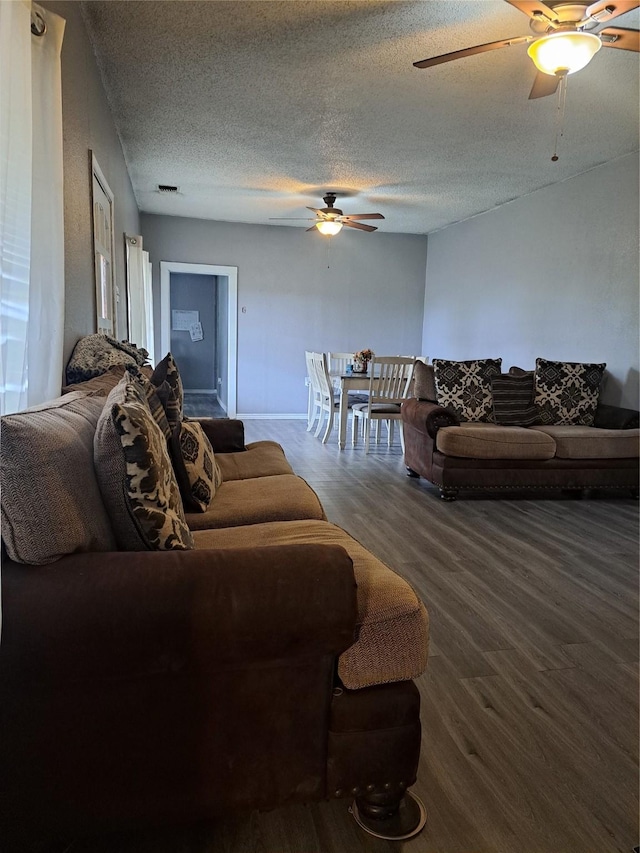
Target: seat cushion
(393,637)
(378,408)
(51,501)
(260,459)
(283,497)
(580,442)
(489,441)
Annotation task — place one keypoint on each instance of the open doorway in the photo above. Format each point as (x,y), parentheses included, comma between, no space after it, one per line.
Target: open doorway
(199,325)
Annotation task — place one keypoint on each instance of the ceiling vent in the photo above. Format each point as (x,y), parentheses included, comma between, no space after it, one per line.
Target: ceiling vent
(167,188)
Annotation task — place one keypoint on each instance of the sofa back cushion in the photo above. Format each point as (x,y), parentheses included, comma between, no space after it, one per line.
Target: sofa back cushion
(465,387)
(135,474)
(567,392)
(51,501)
(424,384)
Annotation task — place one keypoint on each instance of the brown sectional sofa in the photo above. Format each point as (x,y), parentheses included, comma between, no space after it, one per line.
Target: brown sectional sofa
(272,663)
(455,455)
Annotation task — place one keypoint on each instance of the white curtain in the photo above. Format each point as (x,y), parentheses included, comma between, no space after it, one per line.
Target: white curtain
(139,295)
(31,206)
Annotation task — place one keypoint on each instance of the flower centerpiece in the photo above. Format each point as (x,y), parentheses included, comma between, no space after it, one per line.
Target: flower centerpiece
(361,360)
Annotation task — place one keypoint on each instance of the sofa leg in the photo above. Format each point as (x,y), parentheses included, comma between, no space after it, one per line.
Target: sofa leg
(411,472)
(635,494)
(385,815)
(448,494)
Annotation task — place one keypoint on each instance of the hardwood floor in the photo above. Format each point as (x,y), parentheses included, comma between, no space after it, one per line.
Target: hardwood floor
(202,405)
(530,699)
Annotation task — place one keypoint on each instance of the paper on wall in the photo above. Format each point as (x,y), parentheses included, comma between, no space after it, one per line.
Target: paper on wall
(195,330)
(181,321)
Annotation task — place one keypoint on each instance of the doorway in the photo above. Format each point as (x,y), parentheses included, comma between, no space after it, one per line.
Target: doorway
(199,325)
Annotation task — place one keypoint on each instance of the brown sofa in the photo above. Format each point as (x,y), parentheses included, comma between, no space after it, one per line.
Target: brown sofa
(456,455)
(272,663)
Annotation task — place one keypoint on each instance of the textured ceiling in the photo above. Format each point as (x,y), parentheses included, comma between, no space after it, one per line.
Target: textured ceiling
(254,109)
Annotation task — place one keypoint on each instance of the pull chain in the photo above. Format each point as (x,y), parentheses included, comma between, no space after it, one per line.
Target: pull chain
(560,109)
(328,252)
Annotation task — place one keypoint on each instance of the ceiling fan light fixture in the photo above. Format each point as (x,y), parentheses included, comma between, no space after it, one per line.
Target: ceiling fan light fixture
(564,52)
(329,227)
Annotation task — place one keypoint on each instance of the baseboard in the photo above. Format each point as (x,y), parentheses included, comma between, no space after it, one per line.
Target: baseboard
(211,391)
(297,416)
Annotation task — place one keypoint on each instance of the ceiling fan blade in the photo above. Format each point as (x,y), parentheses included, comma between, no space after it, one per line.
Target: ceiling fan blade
(313,228)
(620,38)
(318,212)
(534,9)
(543,85)
(470,51)
(607,10)
(362,216)
(359,226)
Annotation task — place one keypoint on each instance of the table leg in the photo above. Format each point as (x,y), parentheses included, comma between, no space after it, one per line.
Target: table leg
(344,414)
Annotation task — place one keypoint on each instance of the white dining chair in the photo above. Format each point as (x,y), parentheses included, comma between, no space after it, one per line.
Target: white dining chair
(389,384)
(327,396)
(314,407)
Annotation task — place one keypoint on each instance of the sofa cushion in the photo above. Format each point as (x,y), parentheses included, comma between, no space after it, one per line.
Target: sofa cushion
(490,441)
(195,466)
(579,442)
(465,387)
(283,497)
(393,627)
(135,474)
(567,392)
(513,400)
(259,459)
(51,501)
(424,383)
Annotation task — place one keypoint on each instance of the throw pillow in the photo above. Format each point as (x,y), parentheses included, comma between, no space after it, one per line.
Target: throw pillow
(567,392)
(465,387)
(424,386)
(135,474)
(195,465)
(171,404)
(167,371)
(156,406)
(513,400)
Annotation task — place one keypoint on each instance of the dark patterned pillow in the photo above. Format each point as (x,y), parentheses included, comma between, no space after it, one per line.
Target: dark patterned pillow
(135,474)
(567,392)
(167,371)
(513,400)
(171,404)
(156,406)
(194,462)
(465,387)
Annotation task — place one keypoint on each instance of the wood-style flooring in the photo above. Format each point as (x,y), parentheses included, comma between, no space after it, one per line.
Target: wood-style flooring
(202,406)
(530,699)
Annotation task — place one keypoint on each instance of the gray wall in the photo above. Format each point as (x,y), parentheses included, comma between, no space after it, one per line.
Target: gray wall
(371,296)
(196,358)
(87,125)
(554,274)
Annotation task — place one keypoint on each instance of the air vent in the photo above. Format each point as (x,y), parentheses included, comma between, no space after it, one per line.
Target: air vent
(167,188)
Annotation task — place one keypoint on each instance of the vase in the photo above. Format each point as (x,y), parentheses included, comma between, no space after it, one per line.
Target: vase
(359,366)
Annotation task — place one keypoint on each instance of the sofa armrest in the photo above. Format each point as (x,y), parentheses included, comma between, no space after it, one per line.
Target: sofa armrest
(427,417)
(615,417)
(123,615)
(225,434)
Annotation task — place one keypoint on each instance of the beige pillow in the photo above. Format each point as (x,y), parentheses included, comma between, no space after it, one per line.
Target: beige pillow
(424,385)
(51,501)
(195,465)
(135,474)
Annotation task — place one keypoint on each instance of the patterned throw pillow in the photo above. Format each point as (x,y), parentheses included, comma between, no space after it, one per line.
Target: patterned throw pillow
(194,462)
(135,474)
(465,387)
(156,406)
(513,400)
(171,404)
(567,392)
(167,371)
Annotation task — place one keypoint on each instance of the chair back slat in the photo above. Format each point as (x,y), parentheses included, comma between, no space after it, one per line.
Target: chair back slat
(391,377)
(321,372)
(338,361)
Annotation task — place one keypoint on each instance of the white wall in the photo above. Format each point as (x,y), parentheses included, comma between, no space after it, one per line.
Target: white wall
(554,274)
(372,295)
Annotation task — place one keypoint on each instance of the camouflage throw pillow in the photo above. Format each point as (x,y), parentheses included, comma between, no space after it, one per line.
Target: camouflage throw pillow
(567,392)
(194,462)
(135,474)
(167,371)
(465,387)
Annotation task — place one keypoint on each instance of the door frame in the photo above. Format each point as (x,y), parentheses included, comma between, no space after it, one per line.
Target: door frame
(231,273)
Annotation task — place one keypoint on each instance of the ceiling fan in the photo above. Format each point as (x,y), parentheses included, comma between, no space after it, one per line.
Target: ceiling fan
(330,219)
(563,43)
